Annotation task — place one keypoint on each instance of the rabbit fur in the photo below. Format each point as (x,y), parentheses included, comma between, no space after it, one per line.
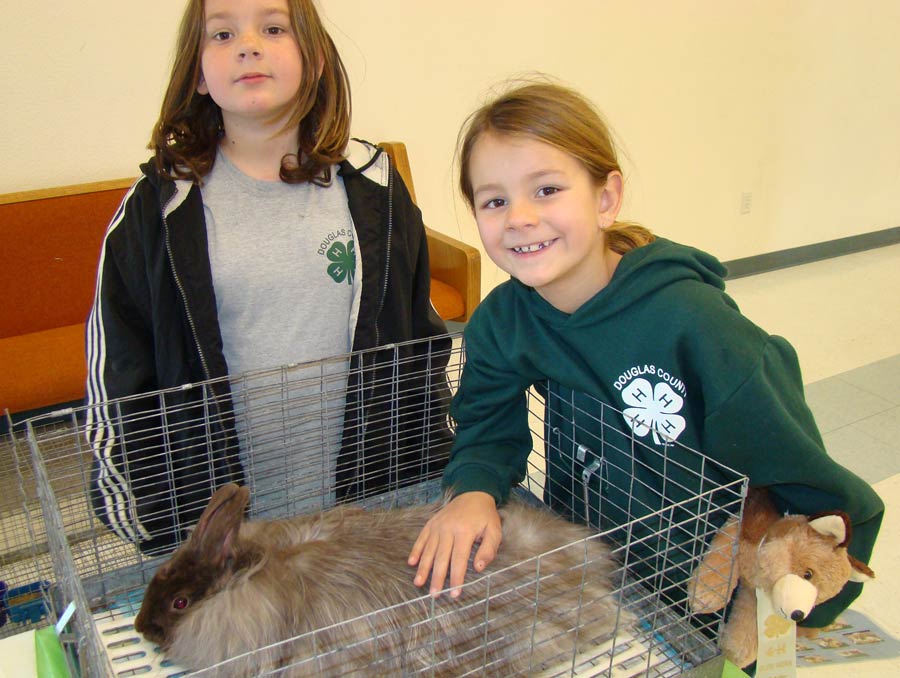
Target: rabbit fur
(302,589)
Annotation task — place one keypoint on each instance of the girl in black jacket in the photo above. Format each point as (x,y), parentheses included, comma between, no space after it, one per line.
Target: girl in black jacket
(255,122)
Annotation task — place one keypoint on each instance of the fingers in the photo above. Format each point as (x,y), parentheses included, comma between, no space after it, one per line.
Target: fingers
(436,551)
(443,554)
(423,553)
(445,543)
(459,563)
(432,554)
(490,543)
(416,552)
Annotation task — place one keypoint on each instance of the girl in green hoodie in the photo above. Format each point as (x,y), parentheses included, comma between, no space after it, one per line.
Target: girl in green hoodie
(604,308)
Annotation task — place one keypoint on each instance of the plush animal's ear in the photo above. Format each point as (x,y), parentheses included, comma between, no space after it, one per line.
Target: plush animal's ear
(835,525)
(758,516)
(215,536)
(860,572)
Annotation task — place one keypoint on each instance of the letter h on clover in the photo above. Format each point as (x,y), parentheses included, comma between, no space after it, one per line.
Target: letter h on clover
(653,409)
(343,260)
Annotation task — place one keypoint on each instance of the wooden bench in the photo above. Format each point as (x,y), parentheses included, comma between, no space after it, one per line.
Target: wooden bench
(51,242)
(455,266)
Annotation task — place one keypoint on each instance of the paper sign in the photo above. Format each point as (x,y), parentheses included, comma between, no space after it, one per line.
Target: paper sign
(777,651)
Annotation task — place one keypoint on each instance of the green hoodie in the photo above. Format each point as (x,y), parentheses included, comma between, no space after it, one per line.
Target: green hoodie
(663,343)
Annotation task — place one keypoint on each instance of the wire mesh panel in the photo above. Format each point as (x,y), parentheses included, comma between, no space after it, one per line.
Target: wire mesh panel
(654,500)
(25,568)
(124,482)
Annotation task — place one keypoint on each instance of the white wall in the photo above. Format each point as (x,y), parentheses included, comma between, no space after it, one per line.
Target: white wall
(793,101)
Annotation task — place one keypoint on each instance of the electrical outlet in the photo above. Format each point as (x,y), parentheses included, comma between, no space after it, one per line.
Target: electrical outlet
(746,203)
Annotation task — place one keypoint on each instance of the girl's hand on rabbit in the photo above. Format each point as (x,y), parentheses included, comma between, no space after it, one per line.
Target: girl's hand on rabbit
(448,537)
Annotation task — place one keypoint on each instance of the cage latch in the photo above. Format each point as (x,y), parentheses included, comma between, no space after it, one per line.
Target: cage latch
(581,454)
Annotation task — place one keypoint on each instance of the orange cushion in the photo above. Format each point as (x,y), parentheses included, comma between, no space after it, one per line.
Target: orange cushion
(46,368)
(446,300)
(42,368)
(53,245)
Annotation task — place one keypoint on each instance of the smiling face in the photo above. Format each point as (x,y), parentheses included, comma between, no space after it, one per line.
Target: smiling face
(541,217)
(251,63)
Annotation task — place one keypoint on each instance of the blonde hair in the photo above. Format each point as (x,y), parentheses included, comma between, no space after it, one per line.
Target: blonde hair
(562,118)
(187,133)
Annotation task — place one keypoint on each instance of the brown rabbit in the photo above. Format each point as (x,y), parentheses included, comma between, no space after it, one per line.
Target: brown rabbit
(329,595)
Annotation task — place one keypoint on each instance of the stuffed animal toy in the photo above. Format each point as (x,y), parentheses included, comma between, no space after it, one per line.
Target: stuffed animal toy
(799,561)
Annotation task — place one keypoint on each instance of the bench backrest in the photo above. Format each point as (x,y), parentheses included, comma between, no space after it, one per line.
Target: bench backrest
(58,233)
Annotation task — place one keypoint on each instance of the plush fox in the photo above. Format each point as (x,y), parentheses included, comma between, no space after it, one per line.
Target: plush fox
(800,561)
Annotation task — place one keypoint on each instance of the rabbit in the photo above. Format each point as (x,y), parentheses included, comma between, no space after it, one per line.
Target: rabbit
(329,595)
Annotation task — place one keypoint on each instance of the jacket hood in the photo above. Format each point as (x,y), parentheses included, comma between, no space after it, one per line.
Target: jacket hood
(163,187)
(641,273)
(361,157)
(366,159)
(150,174)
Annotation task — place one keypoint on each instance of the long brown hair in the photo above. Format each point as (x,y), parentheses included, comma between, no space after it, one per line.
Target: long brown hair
(562,118)
(187,133)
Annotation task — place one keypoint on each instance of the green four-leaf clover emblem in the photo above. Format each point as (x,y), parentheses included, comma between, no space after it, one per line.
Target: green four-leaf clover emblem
(343,260)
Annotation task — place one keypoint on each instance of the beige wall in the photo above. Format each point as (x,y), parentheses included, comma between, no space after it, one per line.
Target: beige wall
(794,101)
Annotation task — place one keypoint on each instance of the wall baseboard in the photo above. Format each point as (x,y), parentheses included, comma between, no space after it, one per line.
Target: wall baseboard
(795,256)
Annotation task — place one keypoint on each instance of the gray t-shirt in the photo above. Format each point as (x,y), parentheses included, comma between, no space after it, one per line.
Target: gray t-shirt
(286,273)
(283,265)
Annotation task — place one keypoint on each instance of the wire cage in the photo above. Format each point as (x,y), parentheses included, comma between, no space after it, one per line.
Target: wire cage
(123,482)
(25,567)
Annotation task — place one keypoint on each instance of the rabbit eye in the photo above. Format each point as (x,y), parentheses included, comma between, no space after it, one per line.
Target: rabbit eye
(180,603)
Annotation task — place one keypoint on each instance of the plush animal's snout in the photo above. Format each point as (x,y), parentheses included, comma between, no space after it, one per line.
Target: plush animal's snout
(794,597)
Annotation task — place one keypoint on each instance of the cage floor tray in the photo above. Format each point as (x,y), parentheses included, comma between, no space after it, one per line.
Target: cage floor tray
(132,655)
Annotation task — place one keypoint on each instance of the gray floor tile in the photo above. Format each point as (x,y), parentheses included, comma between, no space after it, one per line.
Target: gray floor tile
(880,378)
(869,458)
(836,403)
(885,427)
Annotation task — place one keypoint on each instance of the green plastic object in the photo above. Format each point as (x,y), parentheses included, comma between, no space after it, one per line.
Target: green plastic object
(732,671)
(49,657)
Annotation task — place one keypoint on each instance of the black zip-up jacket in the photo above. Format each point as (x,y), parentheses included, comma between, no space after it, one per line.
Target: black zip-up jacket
(154,326)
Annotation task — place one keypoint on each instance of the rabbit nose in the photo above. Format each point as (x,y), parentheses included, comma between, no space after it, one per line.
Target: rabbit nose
(149,630)
(798,615)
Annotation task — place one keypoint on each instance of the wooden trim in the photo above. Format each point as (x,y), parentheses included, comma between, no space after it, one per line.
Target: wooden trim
(457,264)
(62,191)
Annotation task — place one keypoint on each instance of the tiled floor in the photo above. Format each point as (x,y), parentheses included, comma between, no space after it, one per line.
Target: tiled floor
(843,317)
(858,413)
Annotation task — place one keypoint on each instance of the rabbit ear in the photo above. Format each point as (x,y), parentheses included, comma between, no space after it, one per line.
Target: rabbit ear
(215,536)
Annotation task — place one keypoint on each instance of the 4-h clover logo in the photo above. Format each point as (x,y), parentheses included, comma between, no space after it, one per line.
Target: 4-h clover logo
(653,408)
(776,626)
(343,261)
